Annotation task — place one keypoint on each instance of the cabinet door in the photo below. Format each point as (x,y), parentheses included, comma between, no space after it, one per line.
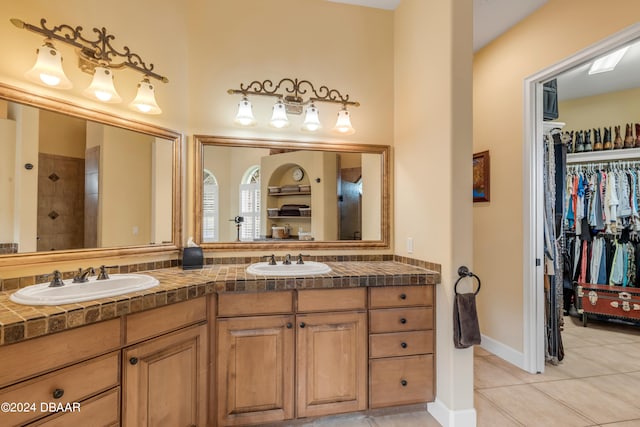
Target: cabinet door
(255,369)
(165,380)
(331,363)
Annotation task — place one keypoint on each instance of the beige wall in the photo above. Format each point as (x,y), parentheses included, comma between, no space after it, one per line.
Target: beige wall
(432,146)
(62,135)
(371,196)
(599,111)
(125,188)
(162,193)
(555,31)
(7,179)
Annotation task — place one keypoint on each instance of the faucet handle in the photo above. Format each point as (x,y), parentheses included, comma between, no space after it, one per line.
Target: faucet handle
(272,259)
(104,275)
(57,279)
(300,260)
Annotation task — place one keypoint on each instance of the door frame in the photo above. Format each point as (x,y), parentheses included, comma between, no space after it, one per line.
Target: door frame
(533,194)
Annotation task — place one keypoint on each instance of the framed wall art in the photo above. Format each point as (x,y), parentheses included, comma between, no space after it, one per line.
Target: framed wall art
(481,175)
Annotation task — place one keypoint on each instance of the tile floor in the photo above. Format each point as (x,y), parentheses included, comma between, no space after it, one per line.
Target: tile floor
(596,385)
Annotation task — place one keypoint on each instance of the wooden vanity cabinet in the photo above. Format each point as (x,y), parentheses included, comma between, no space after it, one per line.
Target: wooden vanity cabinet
(401,346)
(80,366)
(164,379)
(255,369)
(314,354)
(331,363)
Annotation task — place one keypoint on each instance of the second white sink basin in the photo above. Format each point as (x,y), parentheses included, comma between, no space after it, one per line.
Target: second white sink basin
(116,284)
(309,268)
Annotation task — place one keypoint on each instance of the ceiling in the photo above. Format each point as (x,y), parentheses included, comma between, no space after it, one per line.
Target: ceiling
(491,18)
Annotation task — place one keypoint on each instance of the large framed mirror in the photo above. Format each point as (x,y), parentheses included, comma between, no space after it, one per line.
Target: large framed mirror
(77,184)
(256,194)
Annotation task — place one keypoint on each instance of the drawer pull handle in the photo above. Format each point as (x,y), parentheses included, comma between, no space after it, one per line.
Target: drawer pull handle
(58,393)
(289,325)
(404,383)
(302,324)
(403,345)
(403,320)
(403,296)
(133,360)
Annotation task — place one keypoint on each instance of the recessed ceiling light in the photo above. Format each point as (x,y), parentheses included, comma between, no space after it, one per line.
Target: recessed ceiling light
(608,62)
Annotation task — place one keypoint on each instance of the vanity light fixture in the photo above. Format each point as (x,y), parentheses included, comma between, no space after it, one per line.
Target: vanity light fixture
(95,56)
(289,91)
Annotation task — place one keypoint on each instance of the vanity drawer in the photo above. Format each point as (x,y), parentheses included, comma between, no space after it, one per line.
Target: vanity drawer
(401,381)
(400,319)
(255,303)
(151,323)
(400,296)
(400,344)
(332,299)
(102,410)
(76,382)
(29,358)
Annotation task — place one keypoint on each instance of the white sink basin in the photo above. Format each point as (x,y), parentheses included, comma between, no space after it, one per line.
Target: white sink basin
(116,284)
(309,268)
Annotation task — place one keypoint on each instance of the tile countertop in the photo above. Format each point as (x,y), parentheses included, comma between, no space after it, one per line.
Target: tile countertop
(21,322)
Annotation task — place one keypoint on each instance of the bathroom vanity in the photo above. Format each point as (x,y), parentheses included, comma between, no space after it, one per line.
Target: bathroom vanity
(222,347)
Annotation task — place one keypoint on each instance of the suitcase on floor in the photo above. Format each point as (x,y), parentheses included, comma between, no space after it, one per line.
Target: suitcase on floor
(608,301)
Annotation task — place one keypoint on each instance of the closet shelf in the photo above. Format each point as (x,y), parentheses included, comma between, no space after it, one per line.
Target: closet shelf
(604,155)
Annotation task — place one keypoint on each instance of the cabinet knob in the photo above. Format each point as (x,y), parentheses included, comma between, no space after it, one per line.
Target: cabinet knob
(403,320)
(403,296)
(302,324)
(133,360)
(58,393)
(403,383)
(289,325)
(403,345)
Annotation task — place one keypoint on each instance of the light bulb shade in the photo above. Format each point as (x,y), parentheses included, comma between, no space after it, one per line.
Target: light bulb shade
(101,87)
(311,119)
(343,124)
(47,70)
(145,100)
(245,113)
(279,117)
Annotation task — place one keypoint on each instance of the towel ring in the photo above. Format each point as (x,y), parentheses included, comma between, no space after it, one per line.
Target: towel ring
(464,272)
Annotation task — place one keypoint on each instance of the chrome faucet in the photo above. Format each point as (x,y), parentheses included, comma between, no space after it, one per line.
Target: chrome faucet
(287,259)
(272,259)
(300,260)
(57,279)
(83,276)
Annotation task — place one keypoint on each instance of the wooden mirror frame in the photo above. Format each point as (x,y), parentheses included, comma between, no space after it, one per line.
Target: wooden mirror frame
(202,141)
(13,94)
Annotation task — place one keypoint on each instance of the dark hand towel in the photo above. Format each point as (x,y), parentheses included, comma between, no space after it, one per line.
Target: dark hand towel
(466,330)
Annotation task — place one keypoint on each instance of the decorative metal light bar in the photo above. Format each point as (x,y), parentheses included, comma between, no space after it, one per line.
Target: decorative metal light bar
(289,93)
(96,56)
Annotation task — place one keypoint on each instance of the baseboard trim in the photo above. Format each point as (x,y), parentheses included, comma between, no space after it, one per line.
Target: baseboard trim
(503,351)
(448,418)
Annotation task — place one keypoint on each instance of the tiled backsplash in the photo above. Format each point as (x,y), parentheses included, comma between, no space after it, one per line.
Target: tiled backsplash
(21,282)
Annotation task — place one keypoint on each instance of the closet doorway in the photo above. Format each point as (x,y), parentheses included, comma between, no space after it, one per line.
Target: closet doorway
(535,302)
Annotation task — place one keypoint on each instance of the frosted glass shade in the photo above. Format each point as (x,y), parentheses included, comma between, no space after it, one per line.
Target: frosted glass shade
(47,70)
(279,117)
(101,87)
(245,113)
(311,119)
(343,124)
(145,100)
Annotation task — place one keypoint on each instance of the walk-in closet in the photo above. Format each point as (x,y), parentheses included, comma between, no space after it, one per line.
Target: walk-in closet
(591,181)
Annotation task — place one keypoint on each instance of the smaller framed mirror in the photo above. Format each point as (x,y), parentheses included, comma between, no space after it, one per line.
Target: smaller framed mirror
(256,193)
